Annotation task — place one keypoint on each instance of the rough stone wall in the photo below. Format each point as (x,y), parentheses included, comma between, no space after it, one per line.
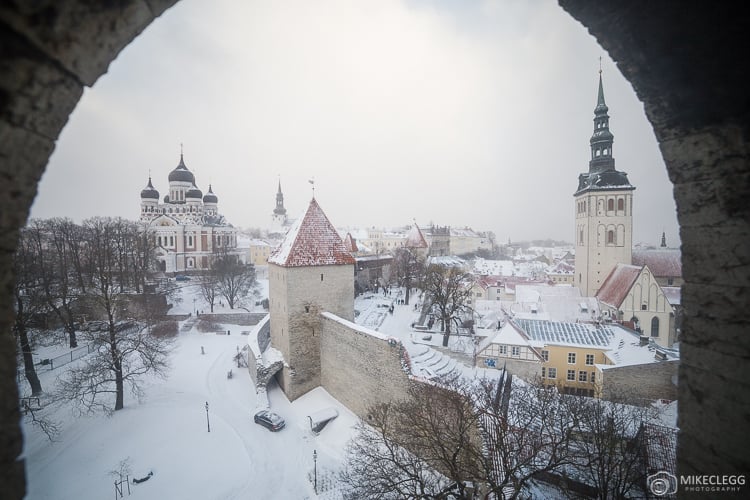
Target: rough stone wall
(682,62)
(359,369)
(298,295)
(243,319)
(49,49)
(646,382)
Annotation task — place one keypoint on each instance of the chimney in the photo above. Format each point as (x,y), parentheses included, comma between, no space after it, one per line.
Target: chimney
(644,340)
(660,356)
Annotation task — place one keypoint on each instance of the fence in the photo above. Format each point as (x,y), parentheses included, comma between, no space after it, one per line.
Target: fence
(68,357)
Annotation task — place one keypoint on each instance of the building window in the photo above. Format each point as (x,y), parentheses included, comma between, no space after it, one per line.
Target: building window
(582,376)
(545,355)
(503,349)
(644,307)
(589,359)
(610,204)
(572,375)
(610,236)
(321,276)
(552,373)
(571,358)
(654,326)
(620,204)
(593,377)
(543,372)
(515,351)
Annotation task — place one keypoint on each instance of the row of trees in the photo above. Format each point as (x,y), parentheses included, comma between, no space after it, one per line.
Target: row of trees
(489,439)
(66,272)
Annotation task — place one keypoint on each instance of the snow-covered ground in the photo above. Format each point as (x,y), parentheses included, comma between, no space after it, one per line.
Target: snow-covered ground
(167,431)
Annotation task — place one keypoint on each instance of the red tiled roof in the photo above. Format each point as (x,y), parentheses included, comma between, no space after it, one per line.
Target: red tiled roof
(311,241)
(664,262)
(415,238)
(350,243)
(617,285)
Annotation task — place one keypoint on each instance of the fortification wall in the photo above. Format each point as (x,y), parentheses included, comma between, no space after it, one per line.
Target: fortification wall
(650,381)
(361,367)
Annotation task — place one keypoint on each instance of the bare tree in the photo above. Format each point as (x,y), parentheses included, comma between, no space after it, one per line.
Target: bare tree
(609,458)
(448,290)
(54,254)
(234,280)
(28,302)
(125,353)
(459,439)
(408,268)
(209,289)
(125,350)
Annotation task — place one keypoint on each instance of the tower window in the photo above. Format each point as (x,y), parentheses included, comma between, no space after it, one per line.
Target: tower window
(610,205)
(610,237)
(321,276)
(620,204)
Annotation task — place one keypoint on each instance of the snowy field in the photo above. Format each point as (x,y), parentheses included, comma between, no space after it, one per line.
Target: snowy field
(166,433)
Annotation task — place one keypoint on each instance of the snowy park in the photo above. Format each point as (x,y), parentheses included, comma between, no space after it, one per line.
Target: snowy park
(166,434)
(164,437)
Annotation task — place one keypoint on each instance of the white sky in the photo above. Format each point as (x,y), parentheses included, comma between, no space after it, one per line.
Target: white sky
(459,113)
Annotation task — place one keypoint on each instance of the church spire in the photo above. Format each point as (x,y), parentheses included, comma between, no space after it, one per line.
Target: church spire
(279,210)
(602,139)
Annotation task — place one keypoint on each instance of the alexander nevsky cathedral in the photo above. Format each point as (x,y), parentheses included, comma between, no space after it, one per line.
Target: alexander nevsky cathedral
(187,227)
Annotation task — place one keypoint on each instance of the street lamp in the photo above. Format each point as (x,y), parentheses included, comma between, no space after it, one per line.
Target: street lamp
(207,421)
(315,470)
(193,306)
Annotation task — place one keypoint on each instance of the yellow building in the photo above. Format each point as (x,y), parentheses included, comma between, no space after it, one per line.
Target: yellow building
(581,358)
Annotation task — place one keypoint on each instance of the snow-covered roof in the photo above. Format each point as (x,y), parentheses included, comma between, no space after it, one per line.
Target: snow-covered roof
(311,241)
(617,284)
(556,332)
(662,262)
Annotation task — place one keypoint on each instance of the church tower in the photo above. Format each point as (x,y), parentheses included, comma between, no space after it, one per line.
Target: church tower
(278,218)
(311,272)
(603,209)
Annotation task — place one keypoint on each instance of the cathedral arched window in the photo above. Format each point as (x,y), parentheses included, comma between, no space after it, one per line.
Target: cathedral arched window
(610,205)
(620,204)
(610,237)
(655,326)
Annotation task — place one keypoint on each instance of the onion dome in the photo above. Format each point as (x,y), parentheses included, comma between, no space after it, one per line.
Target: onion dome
(194,193)
(181,173)
(210,196)
(149,193)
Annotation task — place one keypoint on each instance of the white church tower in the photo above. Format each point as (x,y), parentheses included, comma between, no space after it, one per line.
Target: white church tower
(603,210)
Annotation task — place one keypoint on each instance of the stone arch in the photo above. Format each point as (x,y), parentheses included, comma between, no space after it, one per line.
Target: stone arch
(694,98)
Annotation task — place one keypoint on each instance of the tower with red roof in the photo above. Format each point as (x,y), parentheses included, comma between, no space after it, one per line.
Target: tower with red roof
(310,272)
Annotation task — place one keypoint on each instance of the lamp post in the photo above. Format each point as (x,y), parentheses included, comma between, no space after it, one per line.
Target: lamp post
(193,306)
(208,423)
(315,470)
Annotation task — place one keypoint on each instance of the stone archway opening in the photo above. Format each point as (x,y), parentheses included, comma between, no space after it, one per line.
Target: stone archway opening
(681,62)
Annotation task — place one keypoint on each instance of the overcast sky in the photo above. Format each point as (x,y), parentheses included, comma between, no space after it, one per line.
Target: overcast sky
(475,113)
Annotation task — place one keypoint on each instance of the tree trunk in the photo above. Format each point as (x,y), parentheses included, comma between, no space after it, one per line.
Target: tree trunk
(447,326)
(28,360)
(116,368)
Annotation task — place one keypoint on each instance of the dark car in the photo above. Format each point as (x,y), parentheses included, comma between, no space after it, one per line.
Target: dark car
(269,420)
(182,277)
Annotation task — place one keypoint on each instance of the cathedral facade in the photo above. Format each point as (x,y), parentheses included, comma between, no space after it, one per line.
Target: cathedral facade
(186,225)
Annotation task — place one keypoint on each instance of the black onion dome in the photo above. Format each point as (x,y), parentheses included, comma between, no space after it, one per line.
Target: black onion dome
(181,173)
(149,193)
(194,192)
(210,196)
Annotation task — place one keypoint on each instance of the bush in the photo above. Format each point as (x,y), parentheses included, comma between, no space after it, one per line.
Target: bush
(207,325)
(165,329)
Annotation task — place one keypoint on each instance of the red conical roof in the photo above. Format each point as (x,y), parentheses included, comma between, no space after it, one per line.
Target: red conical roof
(311,241)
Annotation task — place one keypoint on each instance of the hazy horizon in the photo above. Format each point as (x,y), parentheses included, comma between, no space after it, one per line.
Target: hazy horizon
(477,114)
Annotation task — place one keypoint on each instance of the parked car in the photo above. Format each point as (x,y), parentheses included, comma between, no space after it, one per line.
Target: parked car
(270,420)
(182,277)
